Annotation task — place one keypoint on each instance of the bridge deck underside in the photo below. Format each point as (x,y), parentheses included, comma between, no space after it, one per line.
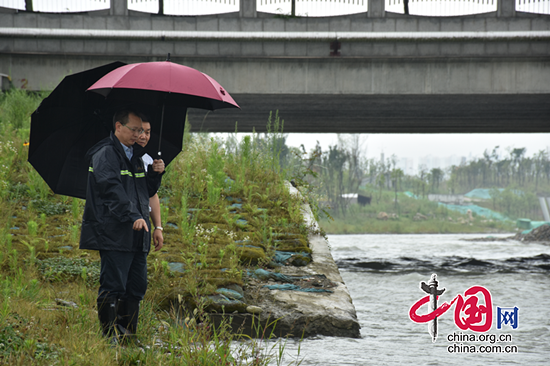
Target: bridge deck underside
(508,113)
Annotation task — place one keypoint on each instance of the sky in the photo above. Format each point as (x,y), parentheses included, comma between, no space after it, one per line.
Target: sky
(421,145)
(426,151)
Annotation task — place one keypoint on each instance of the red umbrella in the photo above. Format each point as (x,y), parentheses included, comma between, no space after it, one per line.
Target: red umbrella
(163,84)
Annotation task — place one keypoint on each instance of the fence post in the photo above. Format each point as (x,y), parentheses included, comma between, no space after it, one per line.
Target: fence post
(377,9)
(161,7)
(119,7)
(248,8)
(28,5)
(506,8)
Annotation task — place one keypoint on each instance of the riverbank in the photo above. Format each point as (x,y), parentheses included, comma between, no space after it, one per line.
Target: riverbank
(319,305)
(229,219)
(371,225)
(411,215)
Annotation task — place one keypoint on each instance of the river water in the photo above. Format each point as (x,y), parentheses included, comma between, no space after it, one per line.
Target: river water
(383,273)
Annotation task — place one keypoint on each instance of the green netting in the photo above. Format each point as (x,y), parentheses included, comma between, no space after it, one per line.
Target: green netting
(485,193)
(291,287)
(534,225)
(481,211)
(410,194)
(264,275)
(230,294)
(482,193)
(296,259)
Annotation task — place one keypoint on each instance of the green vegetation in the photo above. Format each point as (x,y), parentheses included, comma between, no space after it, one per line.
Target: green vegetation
(226,209)
(514,181)
(410,215)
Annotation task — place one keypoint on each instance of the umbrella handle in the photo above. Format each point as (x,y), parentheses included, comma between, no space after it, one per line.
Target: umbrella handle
(159,153)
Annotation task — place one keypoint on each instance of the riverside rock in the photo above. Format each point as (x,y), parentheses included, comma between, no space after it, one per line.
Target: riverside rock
(254,309)
(539,234)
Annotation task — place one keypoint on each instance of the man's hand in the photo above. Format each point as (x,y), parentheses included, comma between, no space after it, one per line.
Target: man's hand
(140,224)
(158,165)
(158,240)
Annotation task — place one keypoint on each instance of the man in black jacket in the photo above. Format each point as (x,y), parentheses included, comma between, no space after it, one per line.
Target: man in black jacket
(116,218)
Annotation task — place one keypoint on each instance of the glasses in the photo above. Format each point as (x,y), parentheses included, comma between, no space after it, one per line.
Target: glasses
(135,130)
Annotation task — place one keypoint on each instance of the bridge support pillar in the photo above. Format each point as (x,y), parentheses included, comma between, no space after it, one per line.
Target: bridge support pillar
(506,8)
(119,7)
(248,9)
(376,9)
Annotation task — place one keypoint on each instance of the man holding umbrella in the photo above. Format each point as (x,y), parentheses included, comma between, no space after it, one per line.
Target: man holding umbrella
(110,174)
(116,220)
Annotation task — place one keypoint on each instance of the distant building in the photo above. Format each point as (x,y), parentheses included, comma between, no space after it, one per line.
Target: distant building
(406,165)
(430,162)
(353,198)
(452,199)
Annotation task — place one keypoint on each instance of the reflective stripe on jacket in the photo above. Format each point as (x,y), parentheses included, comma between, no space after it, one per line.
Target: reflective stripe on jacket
(117,195)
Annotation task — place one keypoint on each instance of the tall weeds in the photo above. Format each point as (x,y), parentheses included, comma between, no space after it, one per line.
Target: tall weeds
(16,107)
(213,204)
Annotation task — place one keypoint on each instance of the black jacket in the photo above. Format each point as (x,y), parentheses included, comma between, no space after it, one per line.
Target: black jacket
(117,195)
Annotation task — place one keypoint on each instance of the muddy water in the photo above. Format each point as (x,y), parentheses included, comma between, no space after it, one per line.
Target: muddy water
(383,273)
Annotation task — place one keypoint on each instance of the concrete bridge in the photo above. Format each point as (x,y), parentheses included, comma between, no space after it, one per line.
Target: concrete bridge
(363,73)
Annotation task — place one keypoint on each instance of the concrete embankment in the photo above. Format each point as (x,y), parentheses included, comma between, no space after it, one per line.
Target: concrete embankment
(319,304)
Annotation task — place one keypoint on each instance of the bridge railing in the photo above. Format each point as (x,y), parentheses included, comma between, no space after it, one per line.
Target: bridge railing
(56,6)
(312,8)
(170,7)
(440,8)
(302,8)
(533,6)
(187,7)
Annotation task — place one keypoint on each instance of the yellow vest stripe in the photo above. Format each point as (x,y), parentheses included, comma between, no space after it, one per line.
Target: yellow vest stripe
(124,172)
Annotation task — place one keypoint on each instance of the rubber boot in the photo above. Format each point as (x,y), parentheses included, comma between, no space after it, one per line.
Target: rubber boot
(122,315)
(127,320)
(107,314)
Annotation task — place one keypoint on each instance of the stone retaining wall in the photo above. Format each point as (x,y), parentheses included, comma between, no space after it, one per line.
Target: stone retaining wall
(296,313)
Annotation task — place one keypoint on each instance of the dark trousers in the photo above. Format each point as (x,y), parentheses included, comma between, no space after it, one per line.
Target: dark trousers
(123,275)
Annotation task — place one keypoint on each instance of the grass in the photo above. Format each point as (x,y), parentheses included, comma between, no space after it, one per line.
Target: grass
(225,209)
(221,210)
(410,216)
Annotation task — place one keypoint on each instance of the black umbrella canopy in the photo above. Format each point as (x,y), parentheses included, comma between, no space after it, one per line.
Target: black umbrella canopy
(65,125)
(70,121)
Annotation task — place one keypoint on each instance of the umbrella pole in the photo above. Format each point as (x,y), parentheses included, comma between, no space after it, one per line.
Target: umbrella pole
(160,134)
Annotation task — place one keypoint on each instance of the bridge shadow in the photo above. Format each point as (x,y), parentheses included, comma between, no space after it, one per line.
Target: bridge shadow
(507,113)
